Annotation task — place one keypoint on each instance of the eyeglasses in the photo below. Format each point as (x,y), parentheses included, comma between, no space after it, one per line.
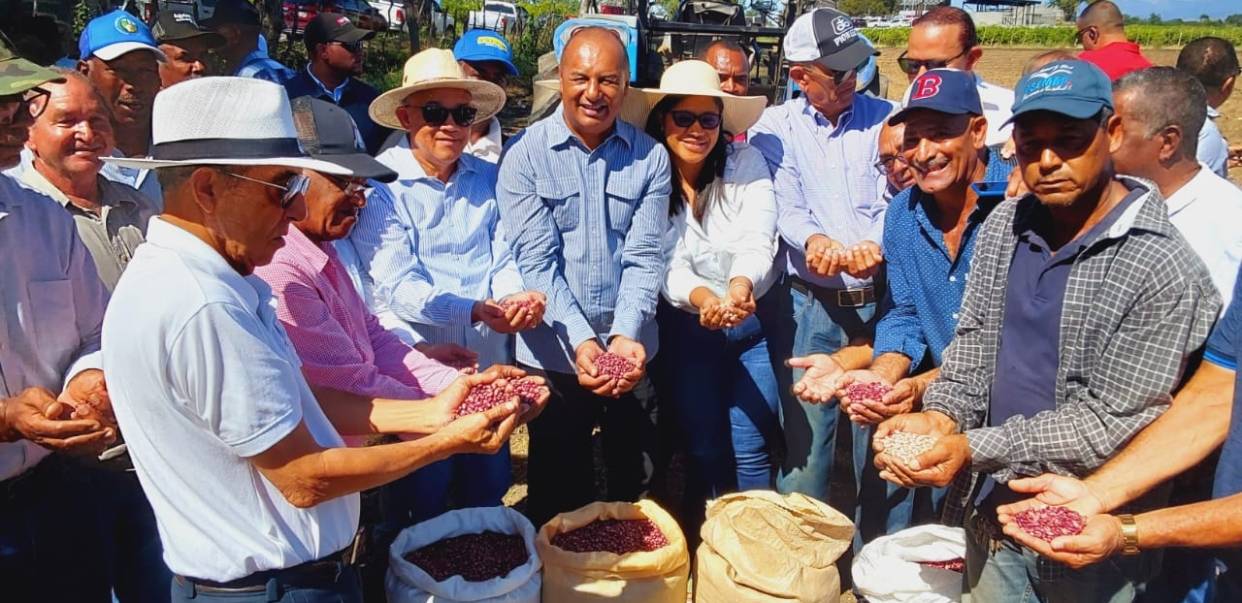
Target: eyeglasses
(912,66)
(352,47)
(885,163)
(684,119)
(294,188)
(351,186)
(436,114)
(35,99)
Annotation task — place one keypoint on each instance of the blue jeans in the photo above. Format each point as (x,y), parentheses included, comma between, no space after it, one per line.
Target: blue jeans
(470,480)
(811,429)
(127,528)
(721,388)
(345,589)
(1002,571)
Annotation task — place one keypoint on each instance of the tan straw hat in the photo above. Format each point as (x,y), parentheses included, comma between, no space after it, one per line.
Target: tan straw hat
(693,78)
(436,68)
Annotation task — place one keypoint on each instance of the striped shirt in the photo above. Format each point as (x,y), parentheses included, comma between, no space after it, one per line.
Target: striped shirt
(825,178)
(587,227)
(434,249)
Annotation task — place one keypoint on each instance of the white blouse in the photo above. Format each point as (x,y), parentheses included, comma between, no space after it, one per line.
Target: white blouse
(736,237)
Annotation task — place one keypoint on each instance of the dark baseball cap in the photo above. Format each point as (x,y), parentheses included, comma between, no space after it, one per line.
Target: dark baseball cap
(1073,88)
(327,133)
(334,27)
(828,37)
(173,26)
(947,91)
(240,12)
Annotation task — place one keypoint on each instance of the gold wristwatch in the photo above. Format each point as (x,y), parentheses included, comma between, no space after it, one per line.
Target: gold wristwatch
(1129,534)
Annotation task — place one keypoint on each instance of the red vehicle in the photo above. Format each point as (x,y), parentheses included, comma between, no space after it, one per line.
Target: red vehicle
(298,13)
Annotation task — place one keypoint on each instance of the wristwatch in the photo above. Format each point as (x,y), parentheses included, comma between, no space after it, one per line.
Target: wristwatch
(1129,534)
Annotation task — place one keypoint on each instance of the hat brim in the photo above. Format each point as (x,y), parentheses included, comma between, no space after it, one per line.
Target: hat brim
(308,163)
(213,39)
(113,51)
(904,114)
(850,57)
(486,97)
(1080,108)
(361,165)
(739,112)
(29,75)
(510,68)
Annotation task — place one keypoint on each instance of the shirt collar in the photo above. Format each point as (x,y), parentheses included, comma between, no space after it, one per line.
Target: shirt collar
(842,121)
(301,249)
(335,93)
(39,182)
(491,142)
(253,291)
(1212,113)
(1189,192)
(1139,214)
(561,134)
(400,158)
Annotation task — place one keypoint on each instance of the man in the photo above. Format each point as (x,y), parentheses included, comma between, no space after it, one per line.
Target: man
(945,36)
(1214,62)
(731,64)
(244,464)
(897,174)
(67,143)
(335,48)
(830,227)
(432,245)
(1082,308)
(185,44)
(239,23)
(486,55)
(584,198)
(1102,33)
(1160,110)
(121,59)
(51,306)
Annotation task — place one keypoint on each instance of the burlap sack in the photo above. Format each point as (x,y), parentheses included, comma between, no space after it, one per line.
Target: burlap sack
(658,576)
(762,547)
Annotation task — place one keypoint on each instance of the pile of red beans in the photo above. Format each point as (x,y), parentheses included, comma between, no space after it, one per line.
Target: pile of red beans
(618,536)
(474,557)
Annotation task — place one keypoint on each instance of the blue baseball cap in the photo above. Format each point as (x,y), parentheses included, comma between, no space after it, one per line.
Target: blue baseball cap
(478,45)
(942,90)
(1076,89)
(113,34)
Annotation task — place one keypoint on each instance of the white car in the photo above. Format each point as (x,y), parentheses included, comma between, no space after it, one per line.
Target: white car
(395,13)
(504,17)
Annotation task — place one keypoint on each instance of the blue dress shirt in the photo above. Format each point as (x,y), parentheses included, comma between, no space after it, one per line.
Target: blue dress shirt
(586,227)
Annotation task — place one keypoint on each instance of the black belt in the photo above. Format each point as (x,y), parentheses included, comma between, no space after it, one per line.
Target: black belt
(841,298)
(318,571)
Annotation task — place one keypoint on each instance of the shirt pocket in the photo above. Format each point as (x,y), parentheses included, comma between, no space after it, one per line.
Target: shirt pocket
(54,318)
(623,196)
(561,195)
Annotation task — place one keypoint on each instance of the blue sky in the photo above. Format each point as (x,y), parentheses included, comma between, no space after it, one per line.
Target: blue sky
(1179,9)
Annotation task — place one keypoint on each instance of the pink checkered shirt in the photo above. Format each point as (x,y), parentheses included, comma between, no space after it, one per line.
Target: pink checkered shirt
(340,342)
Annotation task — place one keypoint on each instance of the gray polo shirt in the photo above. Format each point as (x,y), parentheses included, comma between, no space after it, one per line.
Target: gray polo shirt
(115,232)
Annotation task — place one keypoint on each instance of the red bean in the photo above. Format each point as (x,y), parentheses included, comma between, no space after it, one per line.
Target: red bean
(1048,523)
(618,536)
(528,390)
(484,397)
(475,557)
(529,304)
(874,390)
(613,365)
(954,565)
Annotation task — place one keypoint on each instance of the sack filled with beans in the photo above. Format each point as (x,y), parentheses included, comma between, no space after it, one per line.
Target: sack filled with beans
(482,554)
(763,547)
(922,563)
(614,551)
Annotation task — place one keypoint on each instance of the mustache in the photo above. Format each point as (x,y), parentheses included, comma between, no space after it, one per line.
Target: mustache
(930,165)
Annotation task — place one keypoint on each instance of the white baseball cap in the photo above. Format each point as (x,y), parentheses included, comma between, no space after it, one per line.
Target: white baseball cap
(828,37)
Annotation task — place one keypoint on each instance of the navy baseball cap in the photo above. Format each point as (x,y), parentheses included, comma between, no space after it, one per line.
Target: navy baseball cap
(1075,89)
(113,34)
(240,12)
(478,45)
(942,90)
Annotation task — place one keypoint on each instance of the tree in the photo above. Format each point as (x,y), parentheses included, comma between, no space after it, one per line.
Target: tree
(1234,19)
(867,7)
(1155,19)
(1069,8)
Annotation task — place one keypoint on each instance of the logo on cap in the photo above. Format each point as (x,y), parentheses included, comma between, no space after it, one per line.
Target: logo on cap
(183,18)
(841,24)
(494,42)
(1054,78)
(126,25)
(927,87)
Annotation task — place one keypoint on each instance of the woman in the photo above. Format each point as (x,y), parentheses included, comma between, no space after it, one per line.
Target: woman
(717,373)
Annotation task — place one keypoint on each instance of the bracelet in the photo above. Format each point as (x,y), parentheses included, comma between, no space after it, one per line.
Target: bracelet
(1129,534)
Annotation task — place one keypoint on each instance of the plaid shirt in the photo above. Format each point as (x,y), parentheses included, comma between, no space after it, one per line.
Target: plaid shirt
(1138,303)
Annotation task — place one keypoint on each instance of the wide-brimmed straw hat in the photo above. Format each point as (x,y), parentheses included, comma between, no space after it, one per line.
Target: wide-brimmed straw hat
(693,78)
(225,121)
(430,69)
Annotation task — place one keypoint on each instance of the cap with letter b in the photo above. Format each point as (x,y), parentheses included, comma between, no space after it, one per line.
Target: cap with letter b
(948,91)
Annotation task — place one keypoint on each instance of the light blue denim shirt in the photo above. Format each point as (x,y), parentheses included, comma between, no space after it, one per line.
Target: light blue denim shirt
(824,177)
(586,227)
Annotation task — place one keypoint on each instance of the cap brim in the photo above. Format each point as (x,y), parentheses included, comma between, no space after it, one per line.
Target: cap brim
(113,51)
(851,57)
(293,162)
(739,113)
(356,34)
(1079,108)
(486,97)
(19,75)
(361,165)
(510,68)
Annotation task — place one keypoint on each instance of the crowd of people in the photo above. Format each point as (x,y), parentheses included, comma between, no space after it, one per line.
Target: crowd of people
(235,301)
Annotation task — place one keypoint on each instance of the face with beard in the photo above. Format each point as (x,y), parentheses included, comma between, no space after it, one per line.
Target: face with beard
(129,83)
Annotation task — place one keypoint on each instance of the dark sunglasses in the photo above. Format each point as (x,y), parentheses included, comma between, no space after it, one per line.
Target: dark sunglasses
(353,47)
(912,66)
(684,119)
(436,114)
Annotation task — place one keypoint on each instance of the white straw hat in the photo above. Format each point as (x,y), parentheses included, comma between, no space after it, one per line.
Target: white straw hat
(436,68)
(693,78)
(225,121)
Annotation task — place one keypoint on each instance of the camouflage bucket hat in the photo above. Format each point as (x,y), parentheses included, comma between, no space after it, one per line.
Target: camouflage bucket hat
(18,75)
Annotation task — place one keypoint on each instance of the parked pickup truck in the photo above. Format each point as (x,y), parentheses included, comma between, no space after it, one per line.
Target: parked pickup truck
(394,11)
(504,17)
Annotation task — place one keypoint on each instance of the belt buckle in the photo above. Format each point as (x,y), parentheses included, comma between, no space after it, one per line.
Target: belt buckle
(851,298)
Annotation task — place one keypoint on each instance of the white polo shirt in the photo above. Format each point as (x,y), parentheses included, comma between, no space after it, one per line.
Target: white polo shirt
(997,104)
(203,377)
(1207,210)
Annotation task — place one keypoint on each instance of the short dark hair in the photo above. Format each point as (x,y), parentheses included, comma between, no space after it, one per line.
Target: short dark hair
(1165,96)
(951,15)
(1210,60)
(1103,14)
(713,166)
(723,43)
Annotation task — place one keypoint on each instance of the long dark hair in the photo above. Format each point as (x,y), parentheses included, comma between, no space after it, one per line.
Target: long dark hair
(713,166)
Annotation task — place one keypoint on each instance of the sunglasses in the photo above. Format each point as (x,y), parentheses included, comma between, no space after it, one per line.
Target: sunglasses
(294,188)
(912,66)
(684,119)
(352,47)
(437,115)
(350,186)
(35,99)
